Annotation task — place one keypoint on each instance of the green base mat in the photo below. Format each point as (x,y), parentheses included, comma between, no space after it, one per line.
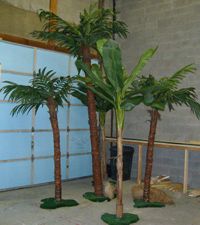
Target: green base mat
(143,204)
(51,203)
(127,219)
(94,198)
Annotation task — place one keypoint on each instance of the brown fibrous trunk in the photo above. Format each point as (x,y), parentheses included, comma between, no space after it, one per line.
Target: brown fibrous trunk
(96,161)
(103,155)
(52,106)
(149,155)
(119,206)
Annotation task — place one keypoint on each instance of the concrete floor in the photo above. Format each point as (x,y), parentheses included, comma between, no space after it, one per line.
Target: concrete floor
(21,207)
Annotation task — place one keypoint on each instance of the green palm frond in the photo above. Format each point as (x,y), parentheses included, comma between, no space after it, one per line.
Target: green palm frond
(114,85)
(94,24)
(187,97)
(173,81)
(138,68)
(80,92)
(96,78)
(164,92)
(44,85)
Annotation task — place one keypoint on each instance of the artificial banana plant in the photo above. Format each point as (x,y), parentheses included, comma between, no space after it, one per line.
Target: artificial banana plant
(114,88)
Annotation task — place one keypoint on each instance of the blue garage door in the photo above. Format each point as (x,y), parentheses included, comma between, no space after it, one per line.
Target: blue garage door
(26,149)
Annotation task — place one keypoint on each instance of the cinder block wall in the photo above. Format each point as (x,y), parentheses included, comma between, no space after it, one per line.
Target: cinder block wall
(173,26)
(19,18)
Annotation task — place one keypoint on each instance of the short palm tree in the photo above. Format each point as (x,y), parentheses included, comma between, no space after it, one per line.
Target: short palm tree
(44,89)
(114,88)
(80,38)
(159,94)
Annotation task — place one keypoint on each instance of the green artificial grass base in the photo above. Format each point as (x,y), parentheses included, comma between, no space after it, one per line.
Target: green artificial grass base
(143,204)
(94,198)
(51,203)
(127,219)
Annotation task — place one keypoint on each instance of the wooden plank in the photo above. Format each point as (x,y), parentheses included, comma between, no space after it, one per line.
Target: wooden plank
(53,9)
(37,44)
(176,146)
(32,43)
(139,173)
(53,6)
(185,177)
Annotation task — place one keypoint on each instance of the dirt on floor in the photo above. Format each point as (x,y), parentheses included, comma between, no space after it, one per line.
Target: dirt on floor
(21,207)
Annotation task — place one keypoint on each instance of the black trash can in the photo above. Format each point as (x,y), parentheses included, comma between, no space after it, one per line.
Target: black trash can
(127,162)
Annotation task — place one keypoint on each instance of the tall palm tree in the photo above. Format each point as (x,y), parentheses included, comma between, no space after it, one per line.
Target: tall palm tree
(80,38)
(102,107)
(114,88)
(44,89)
(159,94)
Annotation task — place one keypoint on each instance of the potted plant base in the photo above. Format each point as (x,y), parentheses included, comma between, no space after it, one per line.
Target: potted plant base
(139,203)
(51,203)
(91,196)
(127,219)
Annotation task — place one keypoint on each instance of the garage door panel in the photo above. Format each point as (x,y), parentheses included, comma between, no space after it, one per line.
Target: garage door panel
(79,142)
(15,174)
(15,145)
(16,57)
(64,168)
(79,117)
(43,170)
(44,143)
(9,122)
(43,122)
(80,166)
(58,62)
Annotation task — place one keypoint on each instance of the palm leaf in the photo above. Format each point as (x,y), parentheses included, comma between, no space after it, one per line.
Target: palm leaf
(187,97)
(177,77)
(96,78)
(43,86)
(112,62)
(137,70)
(94,24)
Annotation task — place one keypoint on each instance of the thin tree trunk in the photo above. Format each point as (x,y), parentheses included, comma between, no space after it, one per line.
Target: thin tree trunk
(149,156)
(119,207)
(104,156)
(101,4)
(96,161)
(56,139)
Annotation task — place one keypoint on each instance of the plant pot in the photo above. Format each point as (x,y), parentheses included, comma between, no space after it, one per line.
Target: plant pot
(127,162)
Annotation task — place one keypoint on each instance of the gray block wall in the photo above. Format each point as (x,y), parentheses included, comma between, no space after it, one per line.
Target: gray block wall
(173,26)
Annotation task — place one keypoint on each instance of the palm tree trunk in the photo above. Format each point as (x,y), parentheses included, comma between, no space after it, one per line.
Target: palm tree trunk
(119,207)
(96,163)
(101,4)
(56,139)
(149,156)
(103,154)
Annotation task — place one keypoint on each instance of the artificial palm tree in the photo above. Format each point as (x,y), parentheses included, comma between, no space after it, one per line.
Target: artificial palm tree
(114,88)
(159,94)
(44,89)
(80,38)
(102,107)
